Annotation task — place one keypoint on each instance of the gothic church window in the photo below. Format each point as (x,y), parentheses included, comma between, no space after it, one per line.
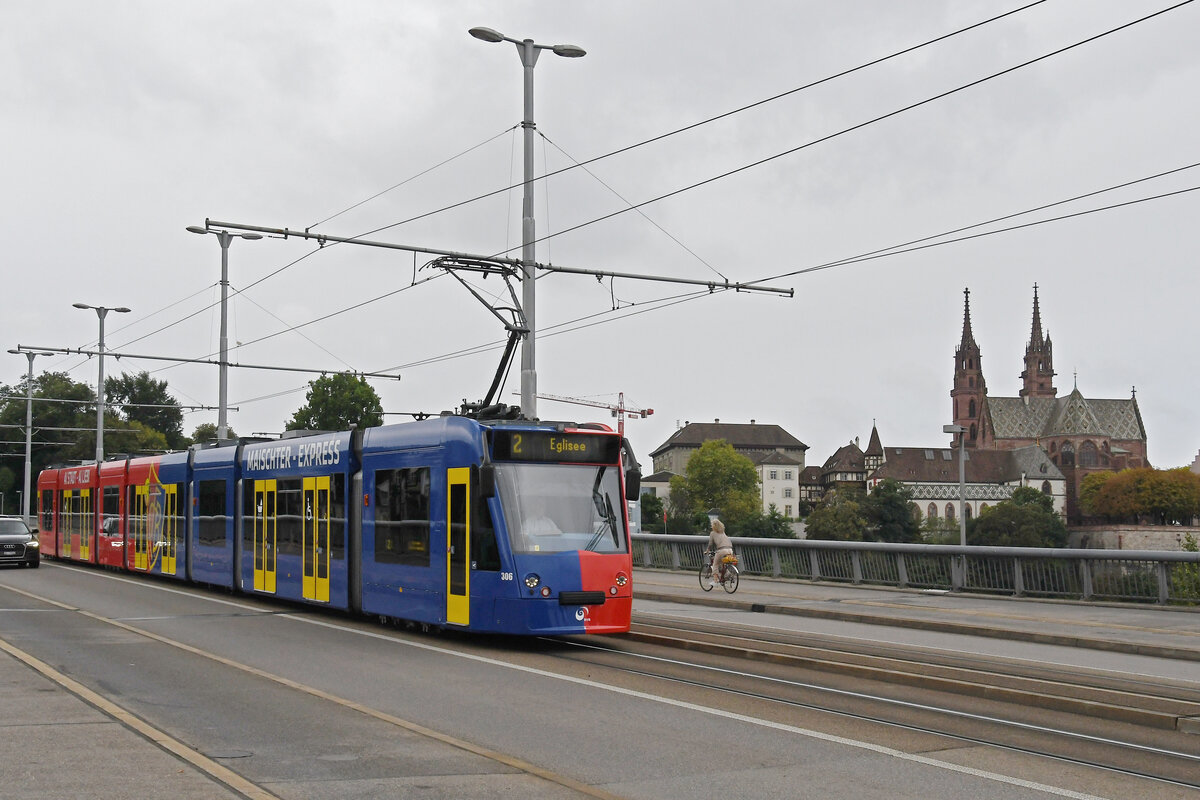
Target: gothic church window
(931,511)
(1088,455)
(1068,454)
(971,412)
(1046,487)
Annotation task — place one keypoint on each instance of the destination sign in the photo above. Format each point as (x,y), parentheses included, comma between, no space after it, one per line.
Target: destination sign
(580,448)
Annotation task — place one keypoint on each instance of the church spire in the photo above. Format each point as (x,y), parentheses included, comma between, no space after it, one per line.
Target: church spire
(968,338)
(1038,378)
(969,390)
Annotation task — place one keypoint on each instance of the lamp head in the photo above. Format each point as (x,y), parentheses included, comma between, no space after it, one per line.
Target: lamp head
(197,229)
(121,310)
(486,34)
(250,235)
(569,50)
(80,305)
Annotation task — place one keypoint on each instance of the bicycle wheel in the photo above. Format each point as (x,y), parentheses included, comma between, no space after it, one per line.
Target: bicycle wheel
(731,578)
(706,577)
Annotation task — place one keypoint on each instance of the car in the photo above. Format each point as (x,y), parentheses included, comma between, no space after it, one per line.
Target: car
(18,543)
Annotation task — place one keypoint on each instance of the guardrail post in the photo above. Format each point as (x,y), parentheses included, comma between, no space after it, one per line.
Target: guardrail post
(675,562)
(1085,578)
(901,571)
(814,565)
(777,563)
(958,569)
(855,567)
(1018,578)
(1164,582)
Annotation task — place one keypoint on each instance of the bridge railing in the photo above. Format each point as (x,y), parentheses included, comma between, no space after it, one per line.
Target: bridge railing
(1148,576)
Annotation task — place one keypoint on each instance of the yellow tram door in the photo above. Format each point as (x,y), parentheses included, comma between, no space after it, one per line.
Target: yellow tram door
(458,546)
(316,539)
(87,524)
(140,522)
(264,536)
(66,524)
(169,538)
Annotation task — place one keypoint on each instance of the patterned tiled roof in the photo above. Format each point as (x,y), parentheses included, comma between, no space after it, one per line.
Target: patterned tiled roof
(1019,418)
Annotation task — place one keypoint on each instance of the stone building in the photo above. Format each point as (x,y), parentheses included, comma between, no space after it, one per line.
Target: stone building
(1080,435)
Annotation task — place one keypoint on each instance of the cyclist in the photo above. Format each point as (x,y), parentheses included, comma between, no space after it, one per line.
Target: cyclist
(720,546)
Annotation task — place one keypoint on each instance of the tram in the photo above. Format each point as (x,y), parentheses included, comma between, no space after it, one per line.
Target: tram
(511,527)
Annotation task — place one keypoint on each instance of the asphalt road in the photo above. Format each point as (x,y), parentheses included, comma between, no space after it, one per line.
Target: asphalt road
(297,704)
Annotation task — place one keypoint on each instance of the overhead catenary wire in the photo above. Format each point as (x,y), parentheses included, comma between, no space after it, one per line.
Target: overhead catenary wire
(610,154)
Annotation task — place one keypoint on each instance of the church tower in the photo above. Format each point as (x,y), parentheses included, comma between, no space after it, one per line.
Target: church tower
(1038,377)
(969,386)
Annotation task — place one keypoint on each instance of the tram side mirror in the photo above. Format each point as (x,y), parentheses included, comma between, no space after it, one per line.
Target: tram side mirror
(633,483)
(487,481)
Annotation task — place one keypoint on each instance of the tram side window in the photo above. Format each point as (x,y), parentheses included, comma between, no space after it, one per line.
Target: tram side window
(484,553)
(402,516)
(48,510)
(211,513)
(289,516)
(337,518)
(112,508)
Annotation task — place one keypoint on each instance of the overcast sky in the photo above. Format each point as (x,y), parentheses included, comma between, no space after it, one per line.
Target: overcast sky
(125,122)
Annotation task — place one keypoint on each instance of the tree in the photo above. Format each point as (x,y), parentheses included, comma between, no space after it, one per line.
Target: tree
(717,476)
(53,441)
(132,393)
(839,518)
(652,513)
(771,525)
(888,509)
(207,432)
(1165,495)
(1027,519)
(335,402)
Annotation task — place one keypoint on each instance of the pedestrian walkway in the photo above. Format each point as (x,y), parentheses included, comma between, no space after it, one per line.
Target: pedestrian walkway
(1160,631)
(59,744)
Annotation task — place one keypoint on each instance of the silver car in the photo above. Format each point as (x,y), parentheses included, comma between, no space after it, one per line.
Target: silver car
(18,544)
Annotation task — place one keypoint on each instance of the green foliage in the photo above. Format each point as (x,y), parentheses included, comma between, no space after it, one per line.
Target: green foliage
(717,476)
(839,518)
(652,513)
(129,391)
(772,525)
(335,402)
(888,511)
(207,432)
(1185,578)
(1163,496)
(1026,520)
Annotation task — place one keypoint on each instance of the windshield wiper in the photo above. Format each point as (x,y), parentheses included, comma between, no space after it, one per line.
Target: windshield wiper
(604,509)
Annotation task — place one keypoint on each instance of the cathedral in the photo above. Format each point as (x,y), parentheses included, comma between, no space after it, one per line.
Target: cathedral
(1079,435)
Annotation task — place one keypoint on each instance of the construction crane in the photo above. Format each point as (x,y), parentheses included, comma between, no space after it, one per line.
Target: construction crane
(619,410)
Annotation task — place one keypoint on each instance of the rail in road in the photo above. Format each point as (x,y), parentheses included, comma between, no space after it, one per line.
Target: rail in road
(220,673)
(1171,632)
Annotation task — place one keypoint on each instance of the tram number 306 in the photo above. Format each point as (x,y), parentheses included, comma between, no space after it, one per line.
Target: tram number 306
(506,576)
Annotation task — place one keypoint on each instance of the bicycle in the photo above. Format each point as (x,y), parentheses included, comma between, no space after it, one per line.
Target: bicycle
(729,575)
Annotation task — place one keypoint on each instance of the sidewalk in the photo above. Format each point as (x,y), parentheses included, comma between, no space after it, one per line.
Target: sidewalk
(59,746)
(1160,631)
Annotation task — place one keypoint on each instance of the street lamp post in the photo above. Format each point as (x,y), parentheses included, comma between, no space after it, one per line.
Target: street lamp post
(101,312)
(961,433)
(528,51)
(223,238)
(31,355)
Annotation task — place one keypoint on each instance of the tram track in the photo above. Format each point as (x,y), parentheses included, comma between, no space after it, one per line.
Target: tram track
(1088,718)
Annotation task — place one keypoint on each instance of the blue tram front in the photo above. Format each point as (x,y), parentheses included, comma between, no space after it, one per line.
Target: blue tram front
(513,528)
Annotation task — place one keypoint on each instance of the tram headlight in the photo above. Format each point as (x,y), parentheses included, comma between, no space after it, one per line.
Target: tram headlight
(622,579)
(533,580)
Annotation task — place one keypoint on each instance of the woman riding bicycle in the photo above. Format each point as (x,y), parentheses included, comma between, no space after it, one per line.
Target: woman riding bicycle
(720,545)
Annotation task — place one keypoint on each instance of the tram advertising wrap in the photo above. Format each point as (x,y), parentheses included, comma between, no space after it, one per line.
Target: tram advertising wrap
(505,527)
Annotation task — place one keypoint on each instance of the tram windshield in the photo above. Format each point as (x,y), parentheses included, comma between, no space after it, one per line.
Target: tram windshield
(551,508)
